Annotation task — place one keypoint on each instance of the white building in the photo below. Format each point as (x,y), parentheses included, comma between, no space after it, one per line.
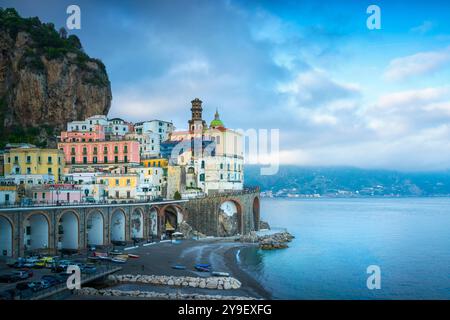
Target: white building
(160,127)
(117,127)
(214,162)
(149,143)
(31,179)
(87,125)
(150,182)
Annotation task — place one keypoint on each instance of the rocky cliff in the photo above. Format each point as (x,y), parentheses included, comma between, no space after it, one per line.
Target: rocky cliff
(46,80)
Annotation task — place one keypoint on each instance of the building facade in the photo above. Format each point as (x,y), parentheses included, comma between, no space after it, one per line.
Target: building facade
(34,162)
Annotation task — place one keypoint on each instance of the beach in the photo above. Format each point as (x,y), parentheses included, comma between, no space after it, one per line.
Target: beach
(158,259)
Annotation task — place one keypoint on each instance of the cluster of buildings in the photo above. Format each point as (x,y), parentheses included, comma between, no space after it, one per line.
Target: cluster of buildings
(105,160)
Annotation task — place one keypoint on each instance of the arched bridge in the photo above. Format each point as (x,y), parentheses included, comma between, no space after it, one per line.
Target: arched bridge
(51,229)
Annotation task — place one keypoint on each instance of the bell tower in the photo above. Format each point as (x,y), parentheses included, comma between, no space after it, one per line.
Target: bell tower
(196,123)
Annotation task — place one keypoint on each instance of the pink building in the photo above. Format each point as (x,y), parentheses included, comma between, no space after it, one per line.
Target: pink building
(100,152)
(53,194)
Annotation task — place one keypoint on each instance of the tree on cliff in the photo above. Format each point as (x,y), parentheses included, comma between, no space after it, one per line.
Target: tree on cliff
(46,80)
(177,195)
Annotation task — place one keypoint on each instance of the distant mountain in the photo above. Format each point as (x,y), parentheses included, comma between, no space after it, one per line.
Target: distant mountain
(295,181)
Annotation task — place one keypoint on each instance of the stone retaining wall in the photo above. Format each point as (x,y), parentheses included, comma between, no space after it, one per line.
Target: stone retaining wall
(220,283)
(156,295)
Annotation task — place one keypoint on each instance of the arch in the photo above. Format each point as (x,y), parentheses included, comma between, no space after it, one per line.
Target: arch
(154,215)
(170,215)
(232,210)
(37,227)
(6,237)
(68,231)
(117,226)
(95,228)
(137,224)
(256,213)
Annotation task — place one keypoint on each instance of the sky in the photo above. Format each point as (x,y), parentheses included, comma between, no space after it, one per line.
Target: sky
(339,93)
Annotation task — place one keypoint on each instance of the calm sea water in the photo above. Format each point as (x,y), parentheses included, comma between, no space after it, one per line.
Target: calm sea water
(337,239)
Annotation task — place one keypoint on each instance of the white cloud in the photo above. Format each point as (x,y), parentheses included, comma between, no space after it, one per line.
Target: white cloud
(417,64)
(423,28)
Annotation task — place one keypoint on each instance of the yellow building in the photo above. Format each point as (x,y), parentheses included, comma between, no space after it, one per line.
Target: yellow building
(119,186)
(34,161)
(159,163)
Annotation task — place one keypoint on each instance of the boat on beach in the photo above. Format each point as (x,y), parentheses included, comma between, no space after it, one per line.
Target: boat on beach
(220,274)
(179,267)
(133,256)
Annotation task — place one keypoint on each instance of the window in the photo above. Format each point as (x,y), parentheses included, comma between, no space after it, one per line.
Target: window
(95,159)
(116,159)
(49,170)
(84,150)
(125,159)
(43,195)
(116,149)
(202,177)
(105,159)
(128,182)
(6,197)
(221,166)
(17,170)
(73,160)
(221,176)
(128,194)
(84,160)
(125,148)
(28,159)
(95,150)
(117,194)
(117,182)
(16,159)
(203,164)
(105,149)
(49,159)
(28,170)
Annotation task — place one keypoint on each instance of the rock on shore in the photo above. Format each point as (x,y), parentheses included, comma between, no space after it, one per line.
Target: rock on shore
(221,283)
(156,295)
(270,241)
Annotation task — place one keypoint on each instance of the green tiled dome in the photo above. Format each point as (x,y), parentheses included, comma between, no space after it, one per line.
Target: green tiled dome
(217,123)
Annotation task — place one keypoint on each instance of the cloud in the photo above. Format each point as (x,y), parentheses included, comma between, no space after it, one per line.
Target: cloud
(423,28)
(418,64)
(315,88)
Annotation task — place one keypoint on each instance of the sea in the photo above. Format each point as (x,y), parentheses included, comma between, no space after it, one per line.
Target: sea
(338,241)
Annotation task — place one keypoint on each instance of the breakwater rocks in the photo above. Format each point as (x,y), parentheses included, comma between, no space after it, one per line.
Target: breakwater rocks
(269,241)
(155,295)
(221,283)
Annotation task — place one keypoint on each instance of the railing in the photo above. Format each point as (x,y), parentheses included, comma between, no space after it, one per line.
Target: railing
(102,270)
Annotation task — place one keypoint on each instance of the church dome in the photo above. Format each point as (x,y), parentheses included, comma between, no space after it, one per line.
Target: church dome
(216,123)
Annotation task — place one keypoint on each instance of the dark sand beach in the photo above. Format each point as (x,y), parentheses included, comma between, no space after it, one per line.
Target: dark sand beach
(158,259)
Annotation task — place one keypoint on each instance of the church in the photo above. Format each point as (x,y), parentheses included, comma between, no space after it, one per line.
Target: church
(205,158)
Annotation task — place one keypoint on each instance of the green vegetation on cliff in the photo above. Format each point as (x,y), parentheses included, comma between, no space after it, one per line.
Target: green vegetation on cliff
(48,42)
(40,45)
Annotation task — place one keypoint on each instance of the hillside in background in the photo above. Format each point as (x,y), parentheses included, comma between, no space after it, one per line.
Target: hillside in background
(344,181)
(46,80)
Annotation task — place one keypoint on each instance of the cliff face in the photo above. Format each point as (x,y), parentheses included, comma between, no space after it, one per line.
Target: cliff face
(46,80)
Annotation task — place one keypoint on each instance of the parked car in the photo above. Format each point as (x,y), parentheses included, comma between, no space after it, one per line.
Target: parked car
(9,278)
(16,264)
(23,274)
(35,285)
(22,286)
(54,280)
(89,268)
(46,284)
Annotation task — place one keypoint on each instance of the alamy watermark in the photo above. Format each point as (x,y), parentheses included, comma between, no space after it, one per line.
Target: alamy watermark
(374,280)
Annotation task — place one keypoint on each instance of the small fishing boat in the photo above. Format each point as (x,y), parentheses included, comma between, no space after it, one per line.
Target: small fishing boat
(116,253)
(179,267)
(134,256)
(118,260)
(94,258)
(203,267)
(220,274)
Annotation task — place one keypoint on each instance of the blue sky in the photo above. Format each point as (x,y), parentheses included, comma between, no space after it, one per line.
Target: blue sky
(340,94)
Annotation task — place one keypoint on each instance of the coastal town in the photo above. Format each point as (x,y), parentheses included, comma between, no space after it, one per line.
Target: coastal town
(101,160)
